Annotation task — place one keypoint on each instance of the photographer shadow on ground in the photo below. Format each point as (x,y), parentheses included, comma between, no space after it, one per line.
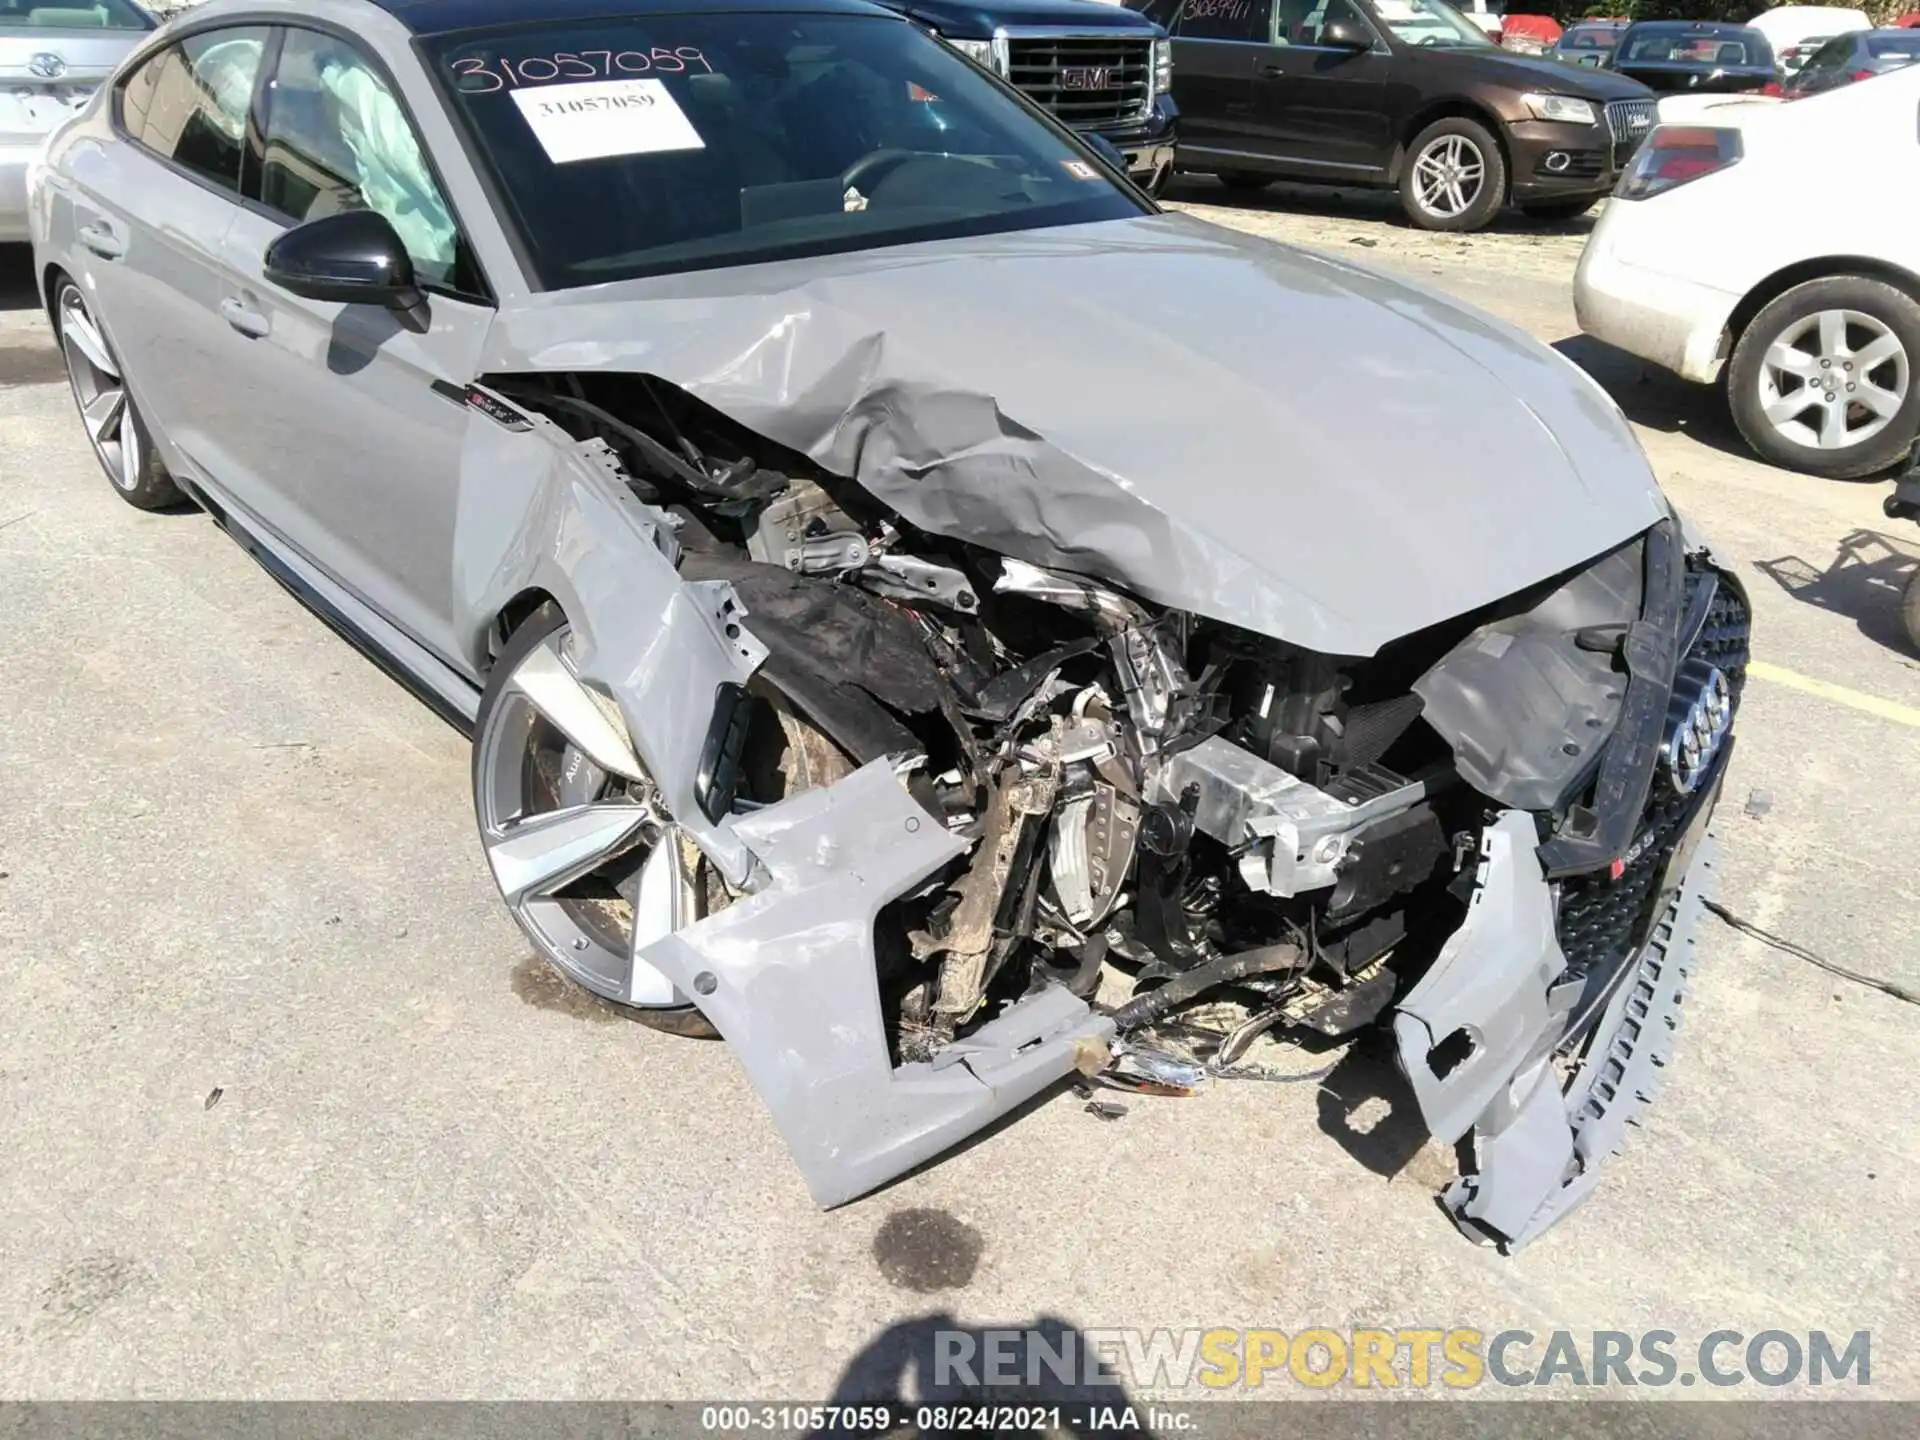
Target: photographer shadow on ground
(936,1361)
(1865,581)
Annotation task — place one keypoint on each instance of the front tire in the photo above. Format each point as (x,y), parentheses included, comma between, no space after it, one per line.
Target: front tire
(119,437)
(1823,380)
(1455,178)
(1910,609)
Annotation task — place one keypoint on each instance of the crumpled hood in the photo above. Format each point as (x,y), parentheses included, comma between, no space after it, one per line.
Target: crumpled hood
(1274,439)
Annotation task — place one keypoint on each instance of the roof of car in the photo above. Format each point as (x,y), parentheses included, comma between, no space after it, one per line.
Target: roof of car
(1693,27)
(434,17)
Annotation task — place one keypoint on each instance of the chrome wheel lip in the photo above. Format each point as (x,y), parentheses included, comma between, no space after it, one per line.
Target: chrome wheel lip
(1448,175)
(532,853)
(99,390)
(1833,379)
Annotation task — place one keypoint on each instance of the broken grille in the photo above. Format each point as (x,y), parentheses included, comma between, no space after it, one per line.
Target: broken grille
(1603,919)
(1090,82)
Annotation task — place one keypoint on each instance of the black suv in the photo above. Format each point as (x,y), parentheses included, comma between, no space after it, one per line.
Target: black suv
(1394,93)
(1097,67)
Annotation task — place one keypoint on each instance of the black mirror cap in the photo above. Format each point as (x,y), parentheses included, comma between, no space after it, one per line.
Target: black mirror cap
(1345,35)
(353,258)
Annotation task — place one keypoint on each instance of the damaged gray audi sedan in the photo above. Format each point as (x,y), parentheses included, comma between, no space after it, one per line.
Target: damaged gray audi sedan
(921,612)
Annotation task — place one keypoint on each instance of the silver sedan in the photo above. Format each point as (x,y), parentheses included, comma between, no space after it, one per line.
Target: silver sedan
(922,613)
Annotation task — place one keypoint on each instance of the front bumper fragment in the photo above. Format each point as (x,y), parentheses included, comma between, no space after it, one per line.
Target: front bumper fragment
(1542,1135)
(787,975)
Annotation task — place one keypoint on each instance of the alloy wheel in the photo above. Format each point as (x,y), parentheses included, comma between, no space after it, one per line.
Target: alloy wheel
(101,393)
(579,837)
(1448,175)
(1833,379)
(579,841)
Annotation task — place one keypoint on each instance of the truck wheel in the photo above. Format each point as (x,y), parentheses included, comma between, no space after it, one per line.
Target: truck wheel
(1823,379)
(1244,181)
(1455,176)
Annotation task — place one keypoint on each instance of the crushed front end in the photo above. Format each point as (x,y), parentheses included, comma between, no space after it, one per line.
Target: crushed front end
(1029,823)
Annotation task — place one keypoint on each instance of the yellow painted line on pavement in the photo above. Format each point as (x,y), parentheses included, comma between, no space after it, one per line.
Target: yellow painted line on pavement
(1839,694)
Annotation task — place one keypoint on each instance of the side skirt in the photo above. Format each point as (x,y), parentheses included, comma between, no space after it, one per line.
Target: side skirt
(441,689)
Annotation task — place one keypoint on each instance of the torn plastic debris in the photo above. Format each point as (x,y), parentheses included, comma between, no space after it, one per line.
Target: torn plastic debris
(1147,1071)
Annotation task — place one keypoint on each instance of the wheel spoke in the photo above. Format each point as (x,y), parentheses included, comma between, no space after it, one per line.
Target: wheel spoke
(130,457)
(1788,407)
(537,856)
(1784,357)
(77,329)
(1876,353)
(102,414)
(1833,427)
(556,692)
(664,901)
(1880,401)
(1833,335)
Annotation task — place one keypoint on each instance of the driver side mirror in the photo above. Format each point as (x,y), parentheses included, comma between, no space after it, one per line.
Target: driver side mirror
(353,258)
(1346,35)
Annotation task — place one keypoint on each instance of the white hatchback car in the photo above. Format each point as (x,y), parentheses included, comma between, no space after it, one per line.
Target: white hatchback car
(1777,243)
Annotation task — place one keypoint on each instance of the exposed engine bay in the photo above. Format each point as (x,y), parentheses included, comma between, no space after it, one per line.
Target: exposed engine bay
(1147,810)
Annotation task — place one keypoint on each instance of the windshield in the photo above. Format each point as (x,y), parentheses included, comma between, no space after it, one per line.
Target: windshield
(1584,38)
(1430,22)
(1895,47)
(18,15)
(1677,47)
(648,144)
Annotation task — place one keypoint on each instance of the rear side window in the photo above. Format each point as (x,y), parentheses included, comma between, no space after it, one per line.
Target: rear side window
(189,103)
(1226,20)
(1895,47)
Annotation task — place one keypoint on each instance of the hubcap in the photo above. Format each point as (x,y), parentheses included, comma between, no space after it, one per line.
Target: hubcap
(100,392)
(1448,174)
(1833,379)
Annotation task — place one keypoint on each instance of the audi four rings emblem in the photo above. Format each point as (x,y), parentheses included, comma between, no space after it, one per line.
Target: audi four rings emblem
(47,66)
(1698,718)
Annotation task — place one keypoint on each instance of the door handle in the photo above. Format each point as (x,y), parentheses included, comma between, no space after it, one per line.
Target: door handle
(102,241)
(244,318)
(1273,72)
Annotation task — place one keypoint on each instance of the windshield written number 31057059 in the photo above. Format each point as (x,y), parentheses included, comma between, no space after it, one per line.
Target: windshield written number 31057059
(645,145)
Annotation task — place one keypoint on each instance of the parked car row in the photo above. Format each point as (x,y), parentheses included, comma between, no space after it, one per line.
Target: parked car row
(1406,95)
(1786,52)
(1756,252)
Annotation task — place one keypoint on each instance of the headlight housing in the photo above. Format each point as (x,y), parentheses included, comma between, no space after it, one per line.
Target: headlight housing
(1162,66)
(978,51)
(1563,108)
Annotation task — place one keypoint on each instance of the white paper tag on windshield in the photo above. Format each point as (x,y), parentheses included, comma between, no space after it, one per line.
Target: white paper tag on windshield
(598,118)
